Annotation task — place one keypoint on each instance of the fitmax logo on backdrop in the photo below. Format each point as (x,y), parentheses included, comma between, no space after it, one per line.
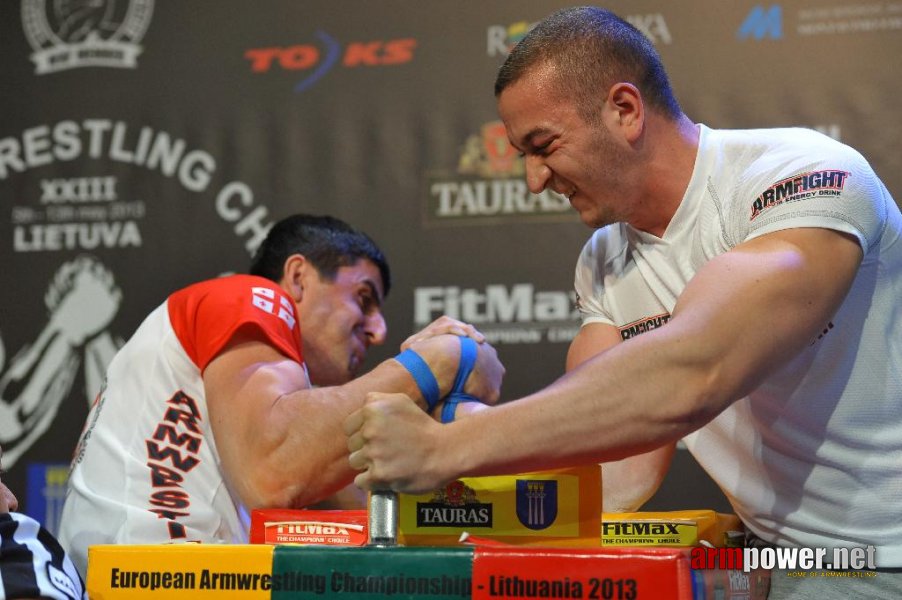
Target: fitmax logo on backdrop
(102,33)
(515,314)
(319,59)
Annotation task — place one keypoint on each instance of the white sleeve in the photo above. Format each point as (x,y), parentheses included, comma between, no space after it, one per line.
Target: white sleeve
(837,190)
(589,282)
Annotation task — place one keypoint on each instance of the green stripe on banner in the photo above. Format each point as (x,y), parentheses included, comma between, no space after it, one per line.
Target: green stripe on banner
(397,572)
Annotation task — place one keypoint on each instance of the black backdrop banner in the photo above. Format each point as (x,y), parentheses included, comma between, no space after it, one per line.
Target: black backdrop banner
(146,145)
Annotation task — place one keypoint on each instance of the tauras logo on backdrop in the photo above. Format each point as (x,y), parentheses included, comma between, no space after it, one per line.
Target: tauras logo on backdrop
(99,33)
(84,212)
(500,39)
(489,186)
(327,54)
(517,314)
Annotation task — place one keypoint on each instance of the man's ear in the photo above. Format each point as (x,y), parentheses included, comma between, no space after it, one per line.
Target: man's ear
(628,110)
(294,274)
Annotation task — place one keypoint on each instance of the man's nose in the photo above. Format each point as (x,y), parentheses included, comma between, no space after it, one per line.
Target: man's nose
(537,173)
(375,329)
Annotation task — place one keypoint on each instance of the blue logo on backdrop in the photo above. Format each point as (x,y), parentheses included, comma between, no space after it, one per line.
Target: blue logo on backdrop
(761,23)
(45,493)
(331,56)
(536,502)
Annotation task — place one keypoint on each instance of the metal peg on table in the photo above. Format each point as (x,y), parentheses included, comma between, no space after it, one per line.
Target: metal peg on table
(383,518)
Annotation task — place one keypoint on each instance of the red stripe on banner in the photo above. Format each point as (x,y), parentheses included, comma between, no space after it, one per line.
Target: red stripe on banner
(615,573)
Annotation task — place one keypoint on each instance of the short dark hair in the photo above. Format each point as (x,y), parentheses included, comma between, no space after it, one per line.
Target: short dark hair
(592,49)
(328,243)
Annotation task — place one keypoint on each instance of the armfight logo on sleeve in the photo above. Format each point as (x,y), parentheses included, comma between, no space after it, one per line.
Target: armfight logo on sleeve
(829,182)
(635,328)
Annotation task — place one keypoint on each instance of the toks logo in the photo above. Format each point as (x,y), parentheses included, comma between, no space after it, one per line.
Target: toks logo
(322,58)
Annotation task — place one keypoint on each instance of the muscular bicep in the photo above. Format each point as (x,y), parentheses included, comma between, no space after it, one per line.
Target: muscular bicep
(752,309)
(243,385)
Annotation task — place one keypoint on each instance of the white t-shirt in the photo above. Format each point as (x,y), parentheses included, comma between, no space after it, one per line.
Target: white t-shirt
(146,469)
(813,457)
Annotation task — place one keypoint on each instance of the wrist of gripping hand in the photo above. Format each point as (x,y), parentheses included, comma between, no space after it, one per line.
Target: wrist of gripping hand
(426,382)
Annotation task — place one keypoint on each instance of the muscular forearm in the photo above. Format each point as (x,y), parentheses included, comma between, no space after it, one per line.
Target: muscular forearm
(654,393)
(298,456)
(301,452)
(744,315)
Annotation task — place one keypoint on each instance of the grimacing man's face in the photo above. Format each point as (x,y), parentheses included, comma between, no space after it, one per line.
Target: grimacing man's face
(563,152)
(340,320)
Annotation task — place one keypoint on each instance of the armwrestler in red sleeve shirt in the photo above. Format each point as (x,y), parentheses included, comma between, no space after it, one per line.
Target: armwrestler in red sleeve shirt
(231,395)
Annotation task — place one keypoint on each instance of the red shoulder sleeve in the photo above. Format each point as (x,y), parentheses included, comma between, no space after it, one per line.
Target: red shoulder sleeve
(206,315)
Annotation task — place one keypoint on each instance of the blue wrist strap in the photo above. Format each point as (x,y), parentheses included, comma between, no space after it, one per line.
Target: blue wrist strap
(468,353)
(422,375)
